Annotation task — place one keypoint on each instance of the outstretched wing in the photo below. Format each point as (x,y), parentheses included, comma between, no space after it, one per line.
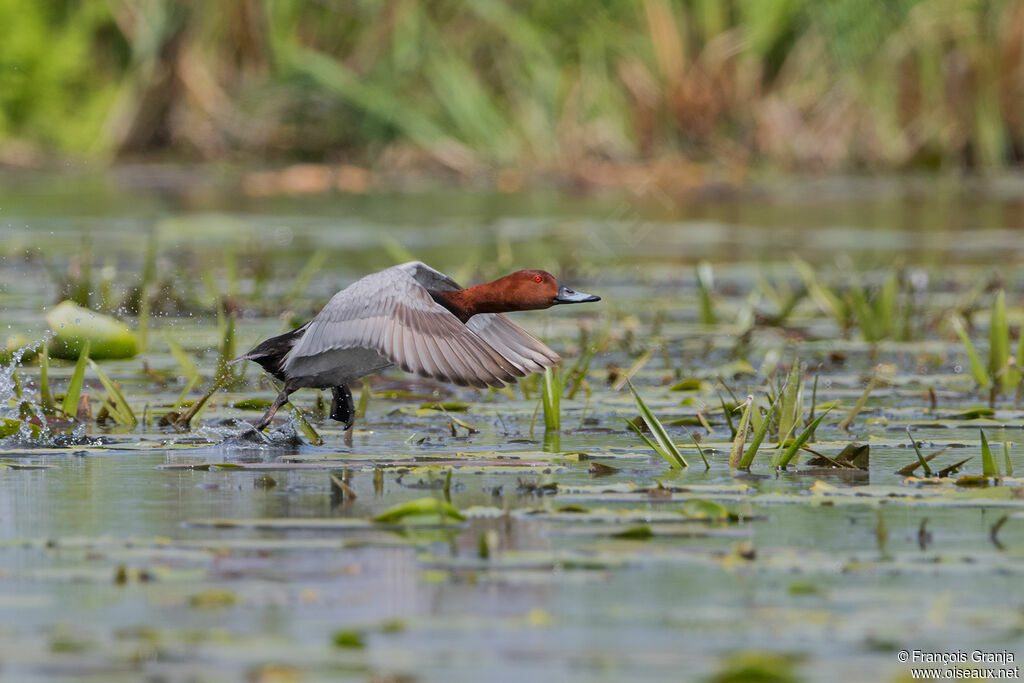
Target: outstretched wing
(518,346)
(393,314)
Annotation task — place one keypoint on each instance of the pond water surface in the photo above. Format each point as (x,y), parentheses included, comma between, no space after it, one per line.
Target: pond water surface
(209,555)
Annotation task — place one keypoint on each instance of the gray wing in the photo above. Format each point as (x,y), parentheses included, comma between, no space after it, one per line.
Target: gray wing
(393,314)
(528,353)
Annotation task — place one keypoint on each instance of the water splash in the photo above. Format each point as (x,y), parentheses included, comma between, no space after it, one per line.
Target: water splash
(8,385)
(33,433)
(242,442)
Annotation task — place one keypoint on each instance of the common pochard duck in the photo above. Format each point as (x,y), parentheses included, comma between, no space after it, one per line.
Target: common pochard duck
(421,320)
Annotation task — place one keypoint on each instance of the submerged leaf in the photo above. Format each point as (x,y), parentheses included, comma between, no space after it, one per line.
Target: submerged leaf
(636,533)
(420,506)
(252,404)
(349,639)
(705,509)
(213,599)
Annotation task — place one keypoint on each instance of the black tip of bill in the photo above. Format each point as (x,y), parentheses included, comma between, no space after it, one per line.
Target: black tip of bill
(567,295)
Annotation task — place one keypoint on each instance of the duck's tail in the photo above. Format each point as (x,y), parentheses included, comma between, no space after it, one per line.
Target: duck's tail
(270,354)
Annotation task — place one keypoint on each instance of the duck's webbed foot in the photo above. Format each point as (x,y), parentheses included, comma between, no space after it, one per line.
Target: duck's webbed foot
(342,408)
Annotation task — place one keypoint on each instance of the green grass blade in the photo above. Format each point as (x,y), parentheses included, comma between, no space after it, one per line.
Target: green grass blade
(185,392)
(759,435)
(74,390)
(303,424)
(999,345)
(578,376)
(824,297)
(654,447)
(700,449)
(1006,458)
(148,277)
(658,430)
(798,443)
(634,368)
(188,368)
(127,417)
(788,415)
(364,400)
(756,419)
(305,276)
(705,285)
(814,401)
(977,368)
(885,307)
(859,406)
(45,397)
(1019,370)
(728,416)
(185,421)
(226,327)
(988,462)
(551,397)
(920,457)
(863,312)
(118,417)
(741,435)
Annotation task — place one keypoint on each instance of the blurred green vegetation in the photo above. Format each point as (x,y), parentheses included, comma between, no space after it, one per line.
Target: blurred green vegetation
(483,84)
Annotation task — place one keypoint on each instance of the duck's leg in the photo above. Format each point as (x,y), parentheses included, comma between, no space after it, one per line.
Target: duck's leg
(342,408)
(281,399)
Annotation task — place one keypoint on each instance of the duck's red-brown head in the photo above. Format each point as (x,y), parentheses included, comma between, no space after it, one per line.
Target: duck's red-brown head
(531,290)
(523,290)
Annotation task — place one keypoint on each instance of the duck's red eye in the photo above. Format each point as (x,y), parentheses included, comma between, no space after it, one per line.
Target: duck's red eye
(538,278)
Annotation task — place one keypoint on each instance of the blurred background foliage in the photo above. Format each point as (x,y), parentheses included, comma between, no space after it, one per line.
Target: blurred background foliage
(472,85)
